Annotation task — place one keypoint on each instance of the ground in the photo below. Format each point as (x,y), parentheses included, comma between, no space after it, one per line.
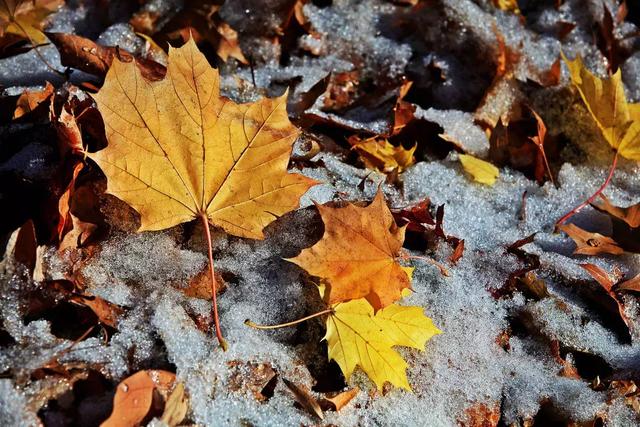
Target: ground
(507,355)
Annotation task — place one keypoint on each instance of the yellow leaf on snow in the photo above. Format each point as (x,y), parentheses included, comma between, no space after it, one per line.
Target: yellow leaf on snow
(507,5)
(378,153)
(357,337)
(357,255)
(178,150)
(24,18)
(481,171)
(618,120)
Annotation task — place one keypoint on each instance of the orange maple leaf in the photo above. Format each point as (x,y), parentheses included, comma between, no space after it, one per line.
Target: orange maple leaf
(357,256)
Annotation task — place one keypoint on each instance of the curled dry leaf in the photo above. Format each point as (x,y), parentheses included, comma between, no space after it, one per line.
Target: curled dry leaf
(176,407)
(257,378)
(481,171)
(605,280)
(630,214)
(337,401)
(86,55)
(357,255)
(304,398)
(133,400)
(589,243)
(30,100)
(357,337)
(108,313)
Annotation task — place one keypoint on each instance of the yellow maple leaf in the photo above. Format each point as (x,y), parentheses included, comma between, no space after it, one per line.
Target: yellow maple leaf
(378,153)
(508,5)
(357,255)
(358,337)
(24,18)
(618,120)
(481,171)
(178,150)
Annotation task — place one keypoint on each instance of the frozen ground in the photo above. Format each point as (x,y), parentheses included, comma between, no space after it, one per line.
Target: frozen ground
(471,365)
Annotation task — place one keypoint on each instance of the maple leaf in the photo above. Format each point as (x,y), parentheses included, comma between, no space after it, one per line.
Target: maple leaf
(617,119)
(378,153)
(357,337)
(179,151)
(507,5)
(481,171)
(357,255)
(24,18)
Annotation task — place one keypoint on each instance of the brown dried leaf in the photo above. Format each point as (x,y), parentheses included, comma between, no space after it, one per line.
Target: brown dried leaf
(589,243)
(632,284)
(176,407)
(200,285)
(257,378)
(30,100)
(304,398)
(630,214)
(108,313)
(336,402)
(88,56)
(133,400)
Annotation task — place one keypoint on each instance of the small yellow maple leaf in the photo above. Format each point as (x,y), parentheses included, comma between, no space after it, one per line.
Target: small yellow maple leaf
(481,171)
(618,120)
(24,18)
(508,5)
(378,153)
(357,255)
(357,337)
(178,150)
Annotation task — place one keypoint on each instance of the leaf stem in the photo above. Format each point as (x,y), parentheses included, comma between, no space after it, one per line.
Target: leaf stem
(284,325)
(578,208)
(221,340)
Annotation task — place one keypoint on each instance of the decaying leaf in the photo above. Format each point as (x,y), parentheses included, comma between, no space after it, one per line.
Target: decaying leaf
(629,214)
(357,337)
(29,100)
(589,243)
(608,283)
(337,401)
(86,55)
(134,397)
(618,120)
(108,313)
(304,398)
(481,171)
(257,378)
(176,407)
(357,255)
(178,151)
(378,153)
(25,18)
